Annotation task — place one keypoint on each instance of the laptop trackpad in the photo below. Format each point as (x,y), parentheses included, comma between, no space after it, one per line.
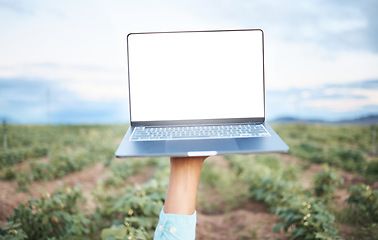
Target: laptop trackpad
(201,147)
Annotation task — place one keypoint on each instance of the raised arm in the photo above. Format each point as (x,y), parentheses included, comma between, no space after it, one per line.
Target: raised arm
(183,185)
(178,217)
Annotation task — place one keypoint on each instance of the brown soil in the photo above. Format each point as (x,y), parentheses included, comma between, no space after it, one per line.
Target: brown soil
(251,221)
(246,220)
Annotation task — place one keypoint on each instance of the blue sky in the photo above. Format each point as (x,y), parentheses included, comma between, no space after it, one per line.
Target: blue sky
(65,61)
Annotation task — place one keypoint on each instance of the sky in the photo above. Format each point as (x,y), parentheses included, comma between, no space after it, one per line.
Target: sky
(65,61)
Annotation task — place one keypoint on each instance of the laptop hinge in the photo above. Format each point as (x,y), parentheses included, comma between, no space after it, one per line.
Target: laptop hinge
(196,122)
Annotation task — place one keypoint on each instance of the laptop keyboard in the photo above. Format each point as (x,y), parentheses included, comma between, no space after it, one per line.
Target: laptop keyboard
(198,132)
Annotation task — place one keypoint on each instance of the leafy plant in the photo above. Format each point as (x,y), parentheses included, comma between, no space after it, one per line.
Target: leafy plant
(302,216)
(372,169)
(363,206)
(23,181)
(306,220)
(348,158)
(139,207)
(125,232)
(11,157)
(325,183)
(50,217)
(12,233)
(120,170)
(7,174)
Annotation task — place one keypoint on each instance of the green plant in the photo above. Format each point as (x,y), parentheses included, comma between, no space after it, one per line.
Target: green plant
(325,183)
(11,157)
(125,232)
(363,206)
(302,216)
(138,207)
(306,220)
(372,170)
(348,158)
(121,169)
(7,174)
(12,233)
(50,217)
(23,181)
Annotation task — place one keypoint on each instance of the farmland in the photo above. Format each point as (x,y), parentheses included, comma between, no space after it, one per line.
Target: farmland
(63,182)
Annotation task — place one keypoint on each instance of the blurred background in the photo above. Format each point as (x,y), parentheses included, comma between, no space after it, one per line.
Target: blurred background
(64,62)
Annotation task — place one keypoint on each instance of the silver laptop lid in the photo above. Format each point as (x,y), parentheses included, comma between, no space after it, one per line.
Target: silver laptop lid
(196,77)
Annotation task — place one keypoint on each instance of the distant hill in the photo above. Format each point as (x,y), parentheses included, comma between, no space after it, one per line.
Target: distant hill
(365,120)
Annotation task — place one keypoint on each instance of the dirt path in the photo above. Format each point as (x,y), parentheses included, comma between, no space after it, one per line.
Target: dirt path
(85,179)
(251,220)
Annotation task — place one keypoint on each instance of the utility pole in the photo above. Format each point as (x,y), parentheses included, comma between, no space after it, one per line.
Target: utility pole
(374,139)
(5,143)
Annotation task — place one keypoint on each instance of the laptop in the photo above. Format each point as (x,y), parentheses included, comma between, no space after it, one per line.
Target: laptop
(197,93)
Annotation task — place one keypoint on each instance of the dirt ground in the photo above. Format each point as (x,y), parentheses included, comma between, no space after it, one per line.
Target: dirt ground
(251,220)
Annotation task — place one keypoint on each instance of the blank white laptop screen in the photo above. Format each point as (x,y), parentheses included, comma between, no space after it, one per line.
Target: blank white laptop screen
(196,75)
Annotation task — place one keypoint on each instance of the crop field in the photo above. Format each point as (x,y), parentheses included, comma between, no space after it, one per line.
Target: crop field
(63,182)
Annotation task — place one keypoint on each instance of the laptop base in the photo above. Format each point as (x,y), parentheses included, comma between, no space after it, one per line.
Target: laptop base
(203,147)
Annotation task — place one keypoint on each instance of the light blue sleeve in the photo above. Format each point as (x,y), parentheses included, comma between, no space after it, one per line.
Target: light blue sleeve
(176,226)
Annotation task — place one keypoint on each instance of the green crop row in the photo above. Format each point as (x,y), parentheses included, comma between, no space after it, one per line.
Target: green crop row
(132,212)
(362,211)
(302,216)
(58,165)
(356,137)
(26,142)
(122,213)
(119,170)
(14,156)
(54,151)
(351,148)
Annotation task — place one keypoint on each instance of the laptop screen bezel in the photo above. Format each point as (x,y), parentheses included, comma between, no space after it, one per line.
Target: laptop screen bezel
(196,121)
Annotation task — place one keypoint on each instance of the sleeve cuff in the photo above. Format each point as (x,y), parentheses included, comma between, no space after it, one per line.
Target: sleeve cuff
(176,226)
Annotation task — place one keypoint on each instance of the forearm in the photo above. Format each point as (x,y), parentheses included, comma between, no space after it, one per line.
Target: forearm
(183,185)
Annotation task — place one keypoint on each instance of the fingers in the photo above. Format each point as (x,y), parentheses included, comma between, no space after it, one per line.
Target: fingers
(200,158)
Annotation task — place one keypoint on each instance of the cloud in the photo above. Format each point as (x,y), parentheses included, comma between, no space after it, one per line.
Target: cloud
(333,25)
(42,101)
(328,102)
(20,7)
(91,82)
(368,84)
